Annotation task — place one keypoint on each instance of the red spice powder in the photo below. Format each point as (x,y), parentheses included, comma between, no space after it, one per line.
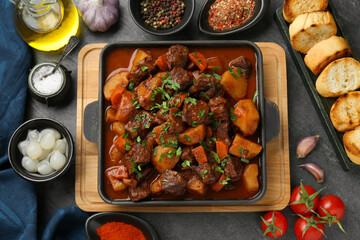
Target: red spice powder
(119,231)
(229,14)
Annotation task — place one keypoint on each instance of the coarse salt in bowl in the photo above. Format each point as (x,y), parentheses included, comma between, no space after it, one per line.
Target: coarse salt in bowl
(51,89)
(50,84)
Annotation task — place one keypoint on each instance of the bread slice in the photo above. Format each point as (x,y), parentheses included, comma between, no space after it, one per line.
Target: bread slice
(345,112)
(351,141)
(310,28)
(293,8)
(339,77)
(326,51)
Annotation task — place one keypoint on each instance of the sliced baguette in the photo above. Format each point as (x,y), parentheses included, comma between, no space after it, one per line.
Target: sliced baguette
(326,51)
(310,28)
(339,77)
(345,112)
(293,8)
(351,141)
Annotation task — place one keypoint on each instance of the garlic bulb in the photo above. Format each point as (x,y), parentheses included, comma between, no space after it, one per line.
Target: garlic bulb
(99,15)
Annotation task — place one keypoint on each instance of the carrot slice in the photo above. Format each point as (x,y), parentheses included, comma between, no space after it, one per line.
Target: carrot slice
(200,155)
(199,60)
(217,186)
(116,97)
(122,143)
(221,149)
(161,63)
(179,99)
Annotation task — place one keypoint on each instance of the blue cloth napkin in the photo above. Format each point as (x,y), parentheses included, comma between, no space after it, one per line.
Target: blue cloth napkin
(18,204)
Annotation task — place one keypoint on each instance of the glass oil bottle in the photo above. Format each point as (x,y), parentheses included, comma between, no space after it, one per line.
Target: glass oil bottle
(46,25)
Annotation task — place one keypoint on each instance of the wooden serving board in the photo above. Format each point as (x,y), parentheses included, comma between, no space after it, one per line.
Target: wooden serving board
(277,156)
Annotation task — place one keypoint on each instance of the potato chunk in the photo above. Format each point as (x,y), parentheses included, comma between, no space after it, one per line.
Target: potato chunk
(118,128)
(115,81)
(193,136)
(235,87)
(196,186)
(156,187)
(139,55)
(110,115)
(145,91)
(116,183)
(244,148)
(247,116)
(250,178)
(164,159)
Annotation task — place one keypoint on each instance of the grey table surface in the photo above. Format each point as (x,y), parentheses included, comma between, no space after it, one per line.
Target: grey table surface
(303,121)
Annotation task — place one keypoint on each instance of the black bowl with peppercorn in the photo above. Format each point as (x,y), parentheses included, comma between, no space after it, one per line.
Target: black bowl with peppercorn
(222,17)
(163,17)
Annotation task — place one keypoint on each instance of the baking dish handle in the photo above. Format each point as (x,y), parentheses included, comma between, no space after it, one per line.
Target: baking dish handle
(272,123)
(91,122)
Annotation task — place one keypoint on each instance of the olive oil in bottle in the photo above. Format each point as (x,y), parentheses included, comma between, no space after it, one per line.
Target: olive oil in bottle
(46,25)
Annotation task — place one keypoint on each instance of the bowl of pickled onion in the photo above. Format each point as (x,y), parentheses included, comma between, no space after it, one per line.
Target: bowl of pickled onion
(41,149)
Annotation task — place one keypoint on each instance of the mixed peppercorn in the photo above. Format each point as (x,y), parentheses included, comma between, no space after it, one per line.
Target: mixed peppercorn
(162,14)
(229,14)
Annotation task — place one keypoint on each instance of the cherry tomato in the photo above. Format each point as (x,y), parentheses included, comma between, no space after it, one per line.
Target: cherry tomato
(315,230)
(274,224)
(304,199)
(332,209)
(333,205)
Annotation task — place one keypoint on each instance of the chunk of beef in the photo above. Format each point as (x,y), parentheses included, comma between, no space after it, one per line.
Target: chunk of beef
(243,63)
(150,139)
(141,154)
(177,56)
(211,93)
(206,86)
(139,124)
(202,83)
(181,77)
(233,168)
(172,182)
(139,192)
(126,160)
(145,173)
(142,70)
(222,132)
(191,113)
(218,106)
(206,173)
(172,123)
(187,154)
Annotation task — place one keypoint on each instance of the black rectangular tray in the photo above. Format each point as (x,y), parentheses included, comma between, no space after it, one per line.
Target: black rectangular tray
(323,104)
(191,44)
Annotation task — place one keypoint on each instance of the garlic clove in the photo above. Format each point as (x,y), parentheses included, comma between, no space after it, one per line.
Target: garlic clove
(306,145)
(315,170)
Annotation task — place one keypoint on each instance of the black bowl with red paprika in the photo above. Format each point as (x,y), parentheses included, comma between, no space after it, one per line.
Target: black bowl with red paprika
(163,17)
(113,225)
(222,17)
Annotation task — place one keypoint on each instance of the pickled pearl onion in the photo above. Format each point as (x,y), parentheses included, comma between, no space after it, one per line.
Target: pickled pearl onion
(33,150)
(57,160)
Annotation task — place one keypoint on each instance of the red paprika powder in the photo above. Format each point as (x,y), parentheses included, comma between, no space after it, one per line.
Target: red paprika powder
(119,231)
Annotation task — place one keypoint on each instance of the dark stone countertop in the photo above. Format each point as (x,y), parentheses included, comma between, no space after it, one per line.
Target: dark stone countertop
(303,121)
